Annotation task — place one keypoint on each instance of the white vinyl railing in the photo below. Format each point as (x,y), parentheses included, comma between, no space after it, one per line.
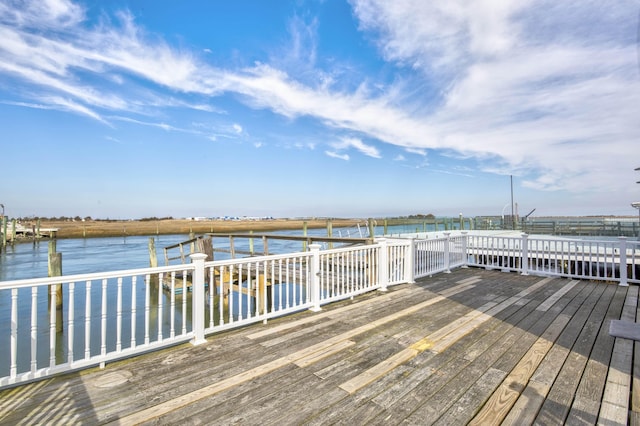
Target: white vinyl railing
(604,260)
(114,315)
(439,255)
(104,316)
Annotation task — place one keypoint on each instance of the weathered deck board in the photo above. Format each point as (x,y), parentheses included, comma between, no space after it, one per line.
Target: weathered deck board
(562,367)
(445,350)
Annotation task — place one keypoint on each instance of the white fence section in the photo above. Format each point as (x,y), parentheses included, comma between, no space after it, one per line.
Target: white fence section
(439,255)
(104,316)
(604,260)
(114,315)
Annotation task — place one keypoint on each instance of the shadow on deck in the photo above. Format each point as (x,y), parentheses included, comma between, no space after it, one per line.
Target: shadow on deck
(473,346)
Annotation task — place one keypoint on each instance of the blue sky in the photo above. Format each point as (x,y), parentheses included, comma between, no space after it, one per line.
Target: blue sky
(362,108)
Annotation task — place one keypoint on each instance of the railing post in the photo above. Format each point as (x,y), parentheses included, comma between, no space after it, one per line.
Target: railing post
(447,261)
(524,260)
(623,262)
(410,262)
(314,277)
(465,255)
(197,298)
(383,264)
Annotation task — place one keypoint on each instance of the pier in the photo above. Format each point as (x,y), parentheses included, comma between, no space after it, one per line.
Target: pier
(439,329)
(473,346)
(11,232)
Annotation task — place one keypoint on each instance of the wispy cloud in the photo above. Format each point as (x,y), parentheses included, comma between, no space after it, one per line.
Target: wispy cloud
(522,82)
(339,156)
(522,90)
(357,144)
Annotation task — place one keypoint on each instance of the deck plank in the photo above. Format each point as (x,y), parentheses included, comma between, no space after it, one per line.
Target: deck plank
(615,400)
(588,395)
(477,391)
(559,374)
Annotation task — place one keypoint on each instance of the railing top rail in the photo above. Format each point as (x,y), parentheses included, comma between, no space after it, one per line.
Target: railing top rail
(351,240)
(30,282)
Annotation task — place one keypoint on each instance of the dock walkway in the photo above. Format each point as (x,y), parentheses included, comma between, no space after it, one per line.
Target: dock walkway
(473,346)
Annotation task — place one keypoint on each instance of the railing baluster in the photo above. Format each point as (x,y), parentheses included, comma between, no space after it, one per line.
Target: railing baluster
(87,320)
(172,297)
(211,287)
(119,316)
(34,329)
(185,296)
(133,308)
(52,326)
(147,310)
(221,295)
(13,369)
(288,280)
(103,345)
(230,295)
(159,310)
(70,323)
(240,291)
(296,265)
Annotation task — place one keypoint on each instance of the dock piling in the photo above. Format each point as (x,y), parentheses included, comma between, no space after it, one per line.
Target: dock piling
(55,290)
(3,231)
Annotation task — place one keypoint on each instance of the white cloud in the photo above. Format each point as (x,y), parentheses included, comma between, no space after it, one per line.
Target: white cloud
(417,151)
(541,93)
(347,143)
(522,90)
(333,154)
(48,13)
(439,36)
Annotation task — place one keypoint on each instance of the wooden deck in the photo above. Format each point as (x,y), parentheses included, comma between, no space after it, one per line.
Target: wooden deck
(473,346)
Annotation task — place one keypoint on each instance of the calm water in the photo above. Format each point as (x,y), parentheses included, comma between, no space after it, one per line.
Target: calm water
(80,256)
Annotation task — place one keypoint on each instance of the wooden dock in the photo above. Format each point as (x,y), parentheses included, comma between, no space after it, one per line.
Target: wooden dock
(474,346)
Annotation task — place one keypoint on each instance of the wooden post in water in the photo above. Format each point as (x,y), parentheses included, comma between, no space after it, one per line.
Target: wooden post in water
(330,231)
(37,235)
(385,227)
(304,233)
(232,249)
(55,270)
(153,256)
(153,263)
(251,248)
(13,230)
(372,231)
(3,231)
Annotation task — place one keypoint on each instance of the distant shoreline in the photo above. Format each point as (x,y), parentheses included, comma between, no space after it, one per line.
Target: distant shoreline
(118,228)
(136,227)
